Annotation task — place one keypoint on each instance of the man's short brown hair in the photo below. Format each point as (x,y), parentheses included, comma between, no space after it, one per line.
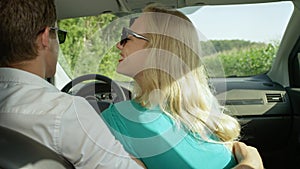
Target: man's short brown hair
(21,21)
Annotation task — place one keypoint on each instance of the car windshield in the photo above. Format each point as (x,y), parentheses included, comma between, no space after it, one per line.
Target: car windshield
(237,40)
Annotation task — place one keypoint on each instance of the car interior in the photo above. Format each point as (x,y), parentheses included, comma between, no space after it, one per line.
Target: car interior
(266,104)
(20,151)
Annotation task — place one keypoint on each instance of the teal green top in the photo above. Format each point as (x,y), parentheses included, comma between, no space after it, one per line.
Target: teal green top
(158,142)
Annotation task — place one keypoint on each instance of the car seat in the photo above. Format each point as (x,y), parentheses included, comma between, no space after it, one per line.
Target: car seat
(18,151)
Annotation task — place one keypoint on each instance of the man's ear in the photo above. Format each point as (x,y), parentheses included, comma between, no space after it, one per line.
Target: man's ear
(45,37)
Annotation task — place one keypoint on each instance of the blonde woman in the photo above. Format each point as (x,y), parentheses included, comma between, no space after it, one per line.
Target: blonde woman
(174,120)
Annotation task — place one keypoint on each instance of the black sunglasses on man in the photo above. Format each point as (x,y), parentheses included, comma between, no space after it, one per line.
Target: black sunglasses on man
(62,34)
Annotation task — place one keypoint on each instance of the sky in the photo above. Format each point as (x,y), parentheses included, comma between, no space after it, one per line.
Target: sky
(258,23)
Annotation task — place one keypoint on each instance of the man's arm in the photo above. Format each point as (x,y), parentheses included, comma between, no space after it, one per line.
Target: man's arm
(140,163)
(88,143)
(247,156)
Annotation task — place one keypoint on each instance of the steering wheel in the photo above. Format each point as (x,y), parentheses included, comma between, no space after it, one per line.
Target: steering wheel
(100,84)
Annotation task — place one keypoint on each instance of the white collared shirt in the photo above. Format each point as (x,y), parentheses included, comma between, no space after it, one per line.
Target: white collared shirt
(67,124)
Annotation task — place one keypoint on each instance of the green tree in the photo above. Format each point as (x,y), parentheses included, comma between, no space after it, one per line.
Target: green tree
(247,61)
(84,47)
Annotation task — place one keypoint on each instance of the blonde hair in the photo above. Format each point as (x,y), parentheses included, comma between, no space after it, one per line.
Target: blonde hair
(175,78)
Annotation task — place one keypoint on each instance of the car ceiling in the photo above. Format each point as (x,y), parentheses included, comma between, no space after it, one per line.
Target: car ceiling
(76,8)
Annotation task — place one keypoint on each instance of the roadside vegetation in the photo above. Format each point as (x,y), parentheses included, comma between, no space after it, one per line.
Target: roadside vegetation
(85,51)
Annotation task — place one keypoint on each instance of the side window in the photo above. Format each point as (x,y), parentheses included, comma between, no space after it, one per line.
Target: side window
(294,66)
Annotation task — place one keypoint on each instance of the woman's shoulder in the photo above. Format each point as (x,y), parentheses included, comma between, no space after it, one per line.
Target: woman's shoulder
(135,112)
(130,104)
(131,113)
(126,108)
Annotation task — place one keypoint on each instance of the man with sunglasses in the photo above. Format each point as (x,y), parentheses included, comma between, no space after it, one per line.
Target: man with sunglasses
(29,46)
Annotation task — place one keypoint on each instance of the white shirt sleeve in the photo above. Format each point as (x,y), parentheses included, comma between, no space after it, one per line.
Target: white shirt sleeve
(87,142)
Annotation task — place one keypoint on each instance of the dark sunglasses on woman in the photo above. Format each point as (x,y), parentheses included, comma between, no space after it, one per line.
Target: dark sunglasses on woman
(126,32)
